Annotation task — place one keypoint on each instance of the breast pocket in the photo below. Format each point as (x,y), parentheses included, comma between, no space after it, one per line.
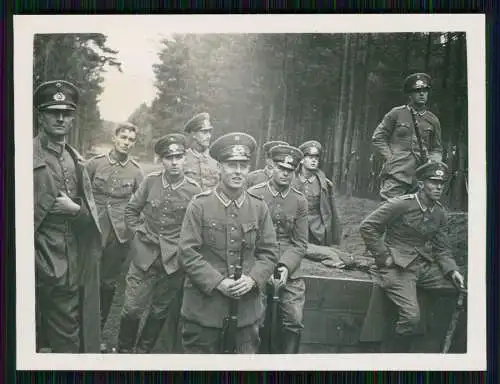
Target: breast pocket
(100,184)
(402,130)
(249,234)
(124,188)
(214,234)
(289,223)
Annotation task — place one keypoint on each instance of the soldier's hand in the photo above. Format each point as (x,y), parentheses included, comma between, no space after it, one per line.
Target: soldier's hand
(225,286)
(63,205)
(241,286)
(458,279)
(283,275)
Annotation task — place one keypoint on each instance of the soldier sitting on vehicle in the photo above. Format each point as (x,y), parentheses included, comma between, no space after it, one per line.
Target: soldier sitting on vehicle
(288,209)
(324,222)
(408,238)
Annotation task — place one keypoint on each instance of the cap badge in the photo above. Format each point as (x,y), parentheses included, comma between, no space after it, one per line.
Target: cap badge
(59,97)
(288,159)
(173,147)
(238,150)
(419,83)
(237,138)
(313,151)
(439,172)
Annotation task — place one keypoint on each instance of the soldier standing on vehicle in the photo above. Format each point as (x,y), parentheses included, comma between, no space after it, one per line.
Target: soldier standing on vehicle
(154,272)
(408,238)
(224,229)
(288,209)
(262,175)
(200,165)
(324,222)
(408,136)
(115,177)
(66,226)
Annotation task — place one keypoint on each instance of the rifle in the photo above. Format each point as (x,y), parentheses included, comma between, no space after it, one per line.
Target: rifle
(424,158)
(274,332)
(454,321)
(230,326)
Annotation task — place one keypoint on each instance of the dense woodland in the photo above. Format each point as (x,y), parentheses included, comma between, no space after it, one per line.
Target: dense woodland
(334,88)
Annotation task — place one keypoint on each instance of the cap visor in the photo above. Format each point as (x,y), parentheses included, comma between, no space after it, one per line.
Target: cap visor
(169,154)
(286,165)
(235,158)
(60,107)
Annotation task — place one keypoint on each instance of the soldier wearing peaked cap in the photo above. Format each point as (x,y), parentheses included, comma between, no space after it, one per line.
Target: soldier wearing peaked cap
(407,136)
(408,237)
(115,177)
(324,223)
(288,209)
(67,230)
(153,216)
(226,229)
(262,175)
(199,165)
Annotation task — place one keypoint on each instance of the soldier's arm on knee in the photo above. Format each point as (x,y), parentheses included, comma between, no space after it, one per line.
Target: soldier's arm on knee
(442,249)
(292,257)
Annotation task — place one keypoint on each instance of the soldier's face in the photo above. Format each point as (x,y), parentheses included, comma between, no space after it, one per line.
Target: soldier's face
(124,141)
(233,173)
(419,97)
(433,189)
(311,162)
(282,176)
(202,138)
(174,165)
(56,122)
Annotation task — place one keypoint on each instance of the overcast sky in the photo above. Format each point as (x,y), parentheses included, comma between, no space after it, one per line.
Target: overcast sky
(124,92)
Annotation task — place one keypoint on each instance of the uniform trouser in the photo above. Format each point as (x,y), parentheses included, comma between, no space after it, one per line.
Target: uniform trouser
(114,255)
(400,286)
(391,187)
(198,339)
(153,285)
(291,305)
(59,317)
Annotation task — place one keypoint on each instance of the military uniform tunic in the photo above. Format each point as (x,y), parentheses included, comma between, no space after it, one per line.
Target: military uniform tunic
(416,238)
(217,234)
(202,168)
(395,140)
(289,214)
(155,267)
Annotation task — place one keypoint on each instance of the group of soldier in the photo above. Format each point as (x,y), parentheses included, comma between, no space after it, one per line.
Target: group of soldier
(206,238)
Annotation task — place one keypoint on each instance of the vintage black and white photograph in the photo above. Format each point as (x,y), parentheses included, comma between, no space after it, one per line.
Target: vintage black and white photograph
(202,188)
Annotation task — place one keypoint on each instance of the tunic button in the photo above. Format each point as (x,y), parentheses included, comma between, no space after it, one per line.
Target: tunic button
(233,228)
(232,241)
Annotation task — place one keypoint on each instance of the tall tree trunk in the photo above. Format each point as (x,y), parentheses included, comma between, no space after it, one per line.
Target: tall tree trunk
(338,126)
(283,86)
(428,51)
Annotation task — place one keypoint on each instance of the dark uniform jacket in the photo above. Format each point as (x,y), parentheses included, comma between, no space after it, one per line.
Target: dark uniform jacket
(394,139)
(410,231)
(113,184)
(163,207)
(289,214)
(217,234)
(201,168)
(50,264)
(327,206)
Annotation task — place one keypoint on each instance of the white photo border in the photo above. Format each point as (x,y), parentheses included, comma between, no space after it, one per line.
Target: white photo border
(26,26)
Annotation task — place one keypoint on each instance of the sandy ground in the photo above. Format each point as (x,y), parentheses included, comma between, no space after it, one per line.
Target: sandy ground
(351,210)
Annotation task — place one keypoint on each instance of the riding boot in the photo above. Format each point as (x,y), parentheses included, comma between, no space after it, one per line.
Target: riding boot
(149,334)
(291,342)
(107,295)
(402,343)
(127,334)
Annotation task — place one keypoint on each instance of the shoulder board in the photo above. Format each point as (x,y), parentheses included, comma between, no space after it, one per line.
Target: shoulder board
(155,173)
(192,181)
(296,191)
(255,172)
(399,107)
(260,185)
(438,203)
(208,192)
(135,163)
(407,197)
(255,195)
(98,156)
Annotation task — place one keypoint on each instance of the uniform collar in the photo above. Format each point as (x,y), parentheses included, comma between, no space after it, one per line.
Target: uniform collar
(309,180)
(52,146)
(423,207)
(275,192)
(113,160)
(166,184)
(197,154)
(226,201)
(420,113)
